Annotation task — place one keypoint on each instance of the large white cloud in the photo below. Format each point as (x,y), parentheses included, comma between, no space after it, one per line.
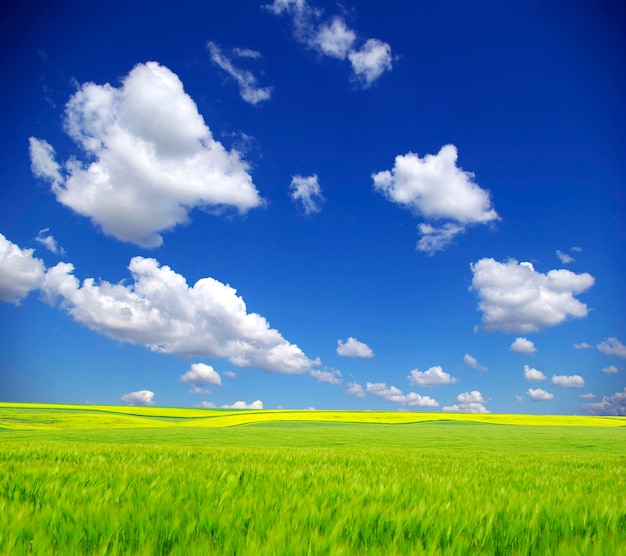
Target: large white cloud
(141,397)
(333,38)
(514,297)
(469,402)
(614,404)
(159,310)
(432,377)
(354,348)
(20,272)
(149,158)
(612,346)
(522,345)
(247,82)
(307,191)
(435,188)
(393,394)
(199,376)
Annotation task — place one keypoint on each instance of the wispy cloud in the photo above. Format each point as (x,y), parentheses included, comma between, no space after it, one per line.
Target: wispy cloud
(247,82)
(472,362)
(306,191)
(612,346)
(47,240)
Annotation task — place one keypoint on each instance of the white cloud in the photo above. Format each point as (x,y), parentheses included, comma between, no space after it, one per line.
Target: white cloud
(353,348)
(435,188)
(437,239)
(333,38)
(564,257)
(432,377)
(610,370)
(20,272)
(307,191)
(331,376)
(573,381)
(519,399)
(393,394)
(610,405)
(355,390)
(539,395)
(522,345)
(258,404)
(582,345)
(199,376)
(474,363)
(469,402)
(48,241)
(160,311)
(149,158)
(612,346)
(230,374)
(514,297)
(588,396)
(533,374)
(371,61)
(141,397)
(207,405)
(247,82)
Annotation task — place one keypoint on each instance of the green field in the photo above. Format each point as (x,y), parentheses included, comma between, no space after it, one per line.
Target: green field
(130,480)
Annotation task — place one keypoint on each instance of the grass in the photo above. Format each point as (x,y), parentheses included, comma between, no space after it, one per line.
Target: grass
(306,487)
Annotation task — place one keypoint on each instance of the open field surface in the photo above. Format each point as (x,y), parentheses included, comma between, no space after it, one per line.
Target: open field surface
(74,480)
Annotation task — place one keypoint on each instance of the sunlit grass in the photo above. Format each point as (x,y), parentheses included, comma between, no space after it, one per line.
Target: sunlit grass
(285,486)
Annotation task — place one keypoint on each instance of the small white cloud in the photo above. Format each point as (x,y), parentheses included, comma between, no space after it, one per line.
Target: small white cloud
(564,257)
(49,242)
(207,405)
(307,191)
(582,345)
(539,395)
(230,374)
(371,61)
(435,188)
(353,348)
(610,405)
(20,272)
(355,390)
(247,82)
(514,297)
(149,158)
(432,377)
(588,396)
(199,376)
(160,311)
(610,370)
(141,397)
(393,394)
(331,376)
(258,404)
(472,362)
(333,38)
(573,381)
(519,399)
(612,346)
(522,345)
(533,374)
(469,402)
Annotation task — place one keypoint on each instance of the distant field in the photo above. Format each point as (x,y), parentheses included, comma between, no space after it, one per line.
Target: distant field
(136,480)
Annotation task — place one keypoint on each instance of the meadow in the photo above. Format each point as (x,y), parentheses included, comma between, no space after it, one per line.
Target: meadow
(131,480)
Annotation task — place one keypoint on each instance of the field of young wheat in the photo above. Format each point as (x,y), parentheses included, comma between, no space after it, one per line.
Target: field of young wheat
(75,480)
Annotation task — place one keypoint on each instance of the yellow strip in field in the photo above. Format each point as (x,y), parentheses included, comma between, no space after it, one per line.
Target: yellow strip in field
(79,417)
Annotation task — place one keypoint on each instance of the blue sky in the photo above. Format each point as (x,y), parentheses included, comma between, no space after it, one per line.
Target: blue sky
(399,206)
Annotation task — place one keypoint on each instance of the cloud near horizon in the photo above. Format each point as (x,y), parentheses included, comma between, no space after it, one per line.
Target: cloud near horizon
(468,402)
(393,394)
(514,297)
(141,397)
(148,158)
(199,376)
(160,311)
